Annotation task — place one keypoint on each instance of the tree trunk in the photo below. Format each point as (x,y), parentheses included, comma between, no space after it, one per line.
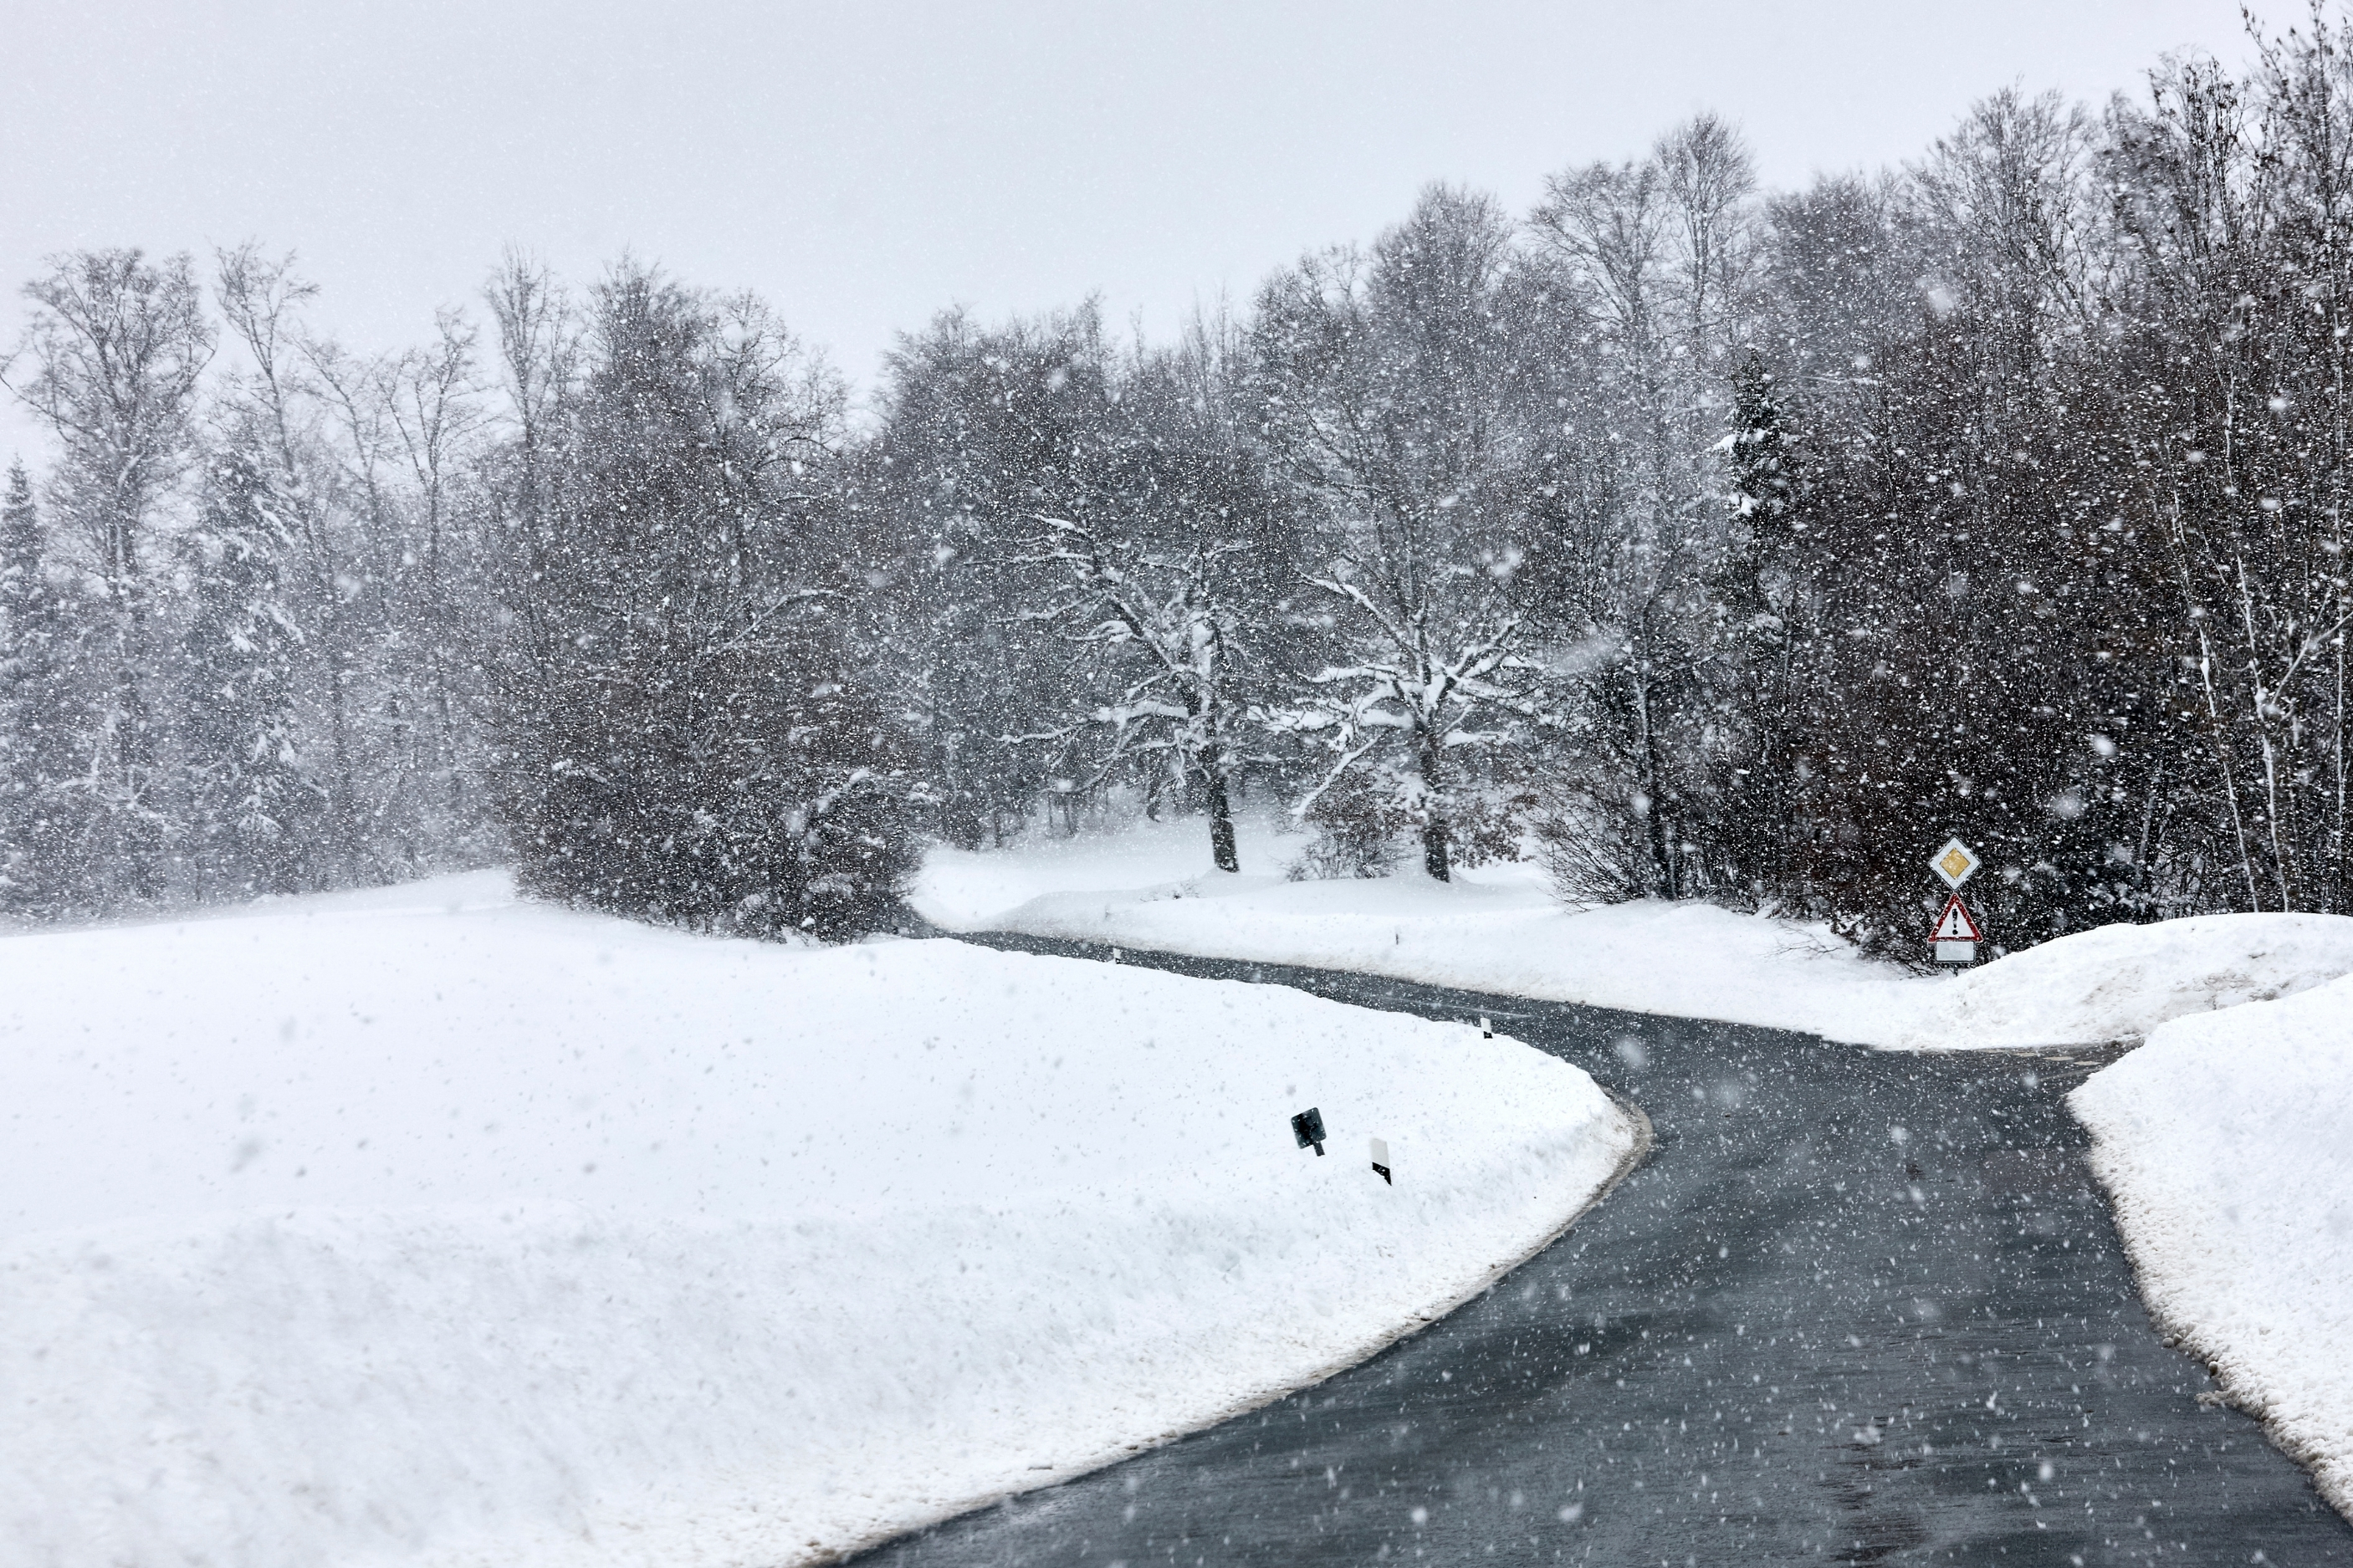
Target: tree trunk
(1221,817)
(143,848)
(1663,859)
(1436,847)
(342,809)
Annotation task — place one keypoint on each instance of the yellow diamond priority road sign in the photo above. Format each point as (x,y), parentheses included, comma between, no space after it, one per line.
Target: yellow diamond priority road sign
(1955,863)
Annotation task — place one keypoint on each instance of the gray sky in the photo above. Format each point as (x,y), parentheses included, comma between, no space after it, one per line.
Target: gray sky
(864,165)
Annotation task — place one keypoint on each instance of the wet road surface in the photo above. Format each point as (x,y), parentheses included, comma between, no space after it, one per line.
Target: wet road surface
(1857,1306)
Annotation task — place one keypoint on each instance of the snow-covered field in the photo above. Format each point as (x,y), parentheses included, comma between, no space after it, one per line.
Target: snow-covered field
(1497,930)
(2226,1143)
(427,1227)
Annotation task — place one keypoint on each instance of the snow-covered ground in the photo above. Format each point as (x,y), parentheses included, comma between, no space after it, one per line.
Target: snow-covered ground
(2226,1140)
(1493,929)
(1497,930)
(2226,1143)
(2121,981)
(427,1227)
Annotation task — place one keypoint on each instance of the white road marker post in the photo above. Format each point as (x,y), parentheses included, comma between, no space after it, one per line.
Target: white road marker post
(1381,1161)
(1955,935)
(1486,1029)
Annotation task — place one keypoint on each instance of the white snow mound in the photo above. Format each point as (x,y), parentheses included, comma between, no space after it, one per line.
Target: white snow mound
(430,1228)
(2226,1144)
(1493,928)
(1497,930)
(2120,982)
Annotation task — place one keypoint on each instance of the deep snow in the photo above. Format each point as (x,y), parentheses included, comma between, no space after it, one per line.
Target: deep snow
(427,1227)
(1493,929)
(2121,981)
(1496,929)
(2226,1145)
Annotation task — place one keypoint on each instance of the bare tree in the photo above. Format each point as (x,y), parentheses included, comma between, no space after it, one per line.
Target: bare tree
(110,361)
(1168,622)
(1404,398)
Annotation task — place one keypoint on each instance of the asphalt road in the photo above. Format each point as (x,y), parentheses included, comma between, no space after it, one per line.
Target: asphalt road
(1857,1308)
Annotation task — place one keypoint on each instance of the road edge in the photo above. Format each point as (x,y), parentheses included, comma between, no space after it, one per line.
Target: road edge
(2187,1338)
(1644,1141)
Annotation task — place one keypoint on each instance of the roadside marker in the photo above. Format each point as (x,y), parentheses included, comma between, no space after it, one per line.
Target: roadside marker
(1381,1159)
(1486,1029)
(1308,1128)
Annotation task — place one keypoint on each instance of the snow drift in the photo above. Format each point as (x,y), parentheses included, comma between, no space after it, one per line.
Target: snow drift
(2121,981)
(2226,1145)
(427,1227)
(1497,930)
(1494,929)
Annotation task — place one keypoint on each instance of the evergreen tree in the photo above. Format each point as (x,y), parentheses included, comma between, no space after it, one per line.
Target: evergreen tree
(252,800)
(1760,629)
(35,722)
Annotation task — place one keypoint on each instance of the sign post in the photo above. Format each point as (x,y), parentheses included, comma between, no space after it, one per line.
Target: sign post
(1308,1128)
(1955,936)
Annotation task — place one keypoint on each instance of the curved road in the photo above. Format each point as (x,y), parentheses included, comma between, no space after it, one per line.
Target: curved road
(1857,1306)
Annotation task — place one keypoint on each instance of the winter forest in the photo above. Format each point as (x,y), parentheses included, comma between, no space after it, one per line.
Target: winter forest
(1703,541)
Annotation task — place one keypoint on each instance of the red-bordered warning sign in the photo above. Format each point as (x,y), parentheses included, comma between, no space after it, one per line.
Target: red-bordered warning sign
(1954,924)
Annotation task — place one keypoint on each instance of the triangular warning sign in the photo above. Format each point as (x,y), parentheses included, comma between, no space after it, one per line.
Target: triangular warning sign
(1954,924)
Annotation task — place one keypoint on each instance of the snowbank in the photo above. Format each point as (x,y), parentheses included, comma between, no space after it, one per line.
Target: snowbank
(1497,930)
(2226,1143)
(964,890)
(427,1227)
(2121,981)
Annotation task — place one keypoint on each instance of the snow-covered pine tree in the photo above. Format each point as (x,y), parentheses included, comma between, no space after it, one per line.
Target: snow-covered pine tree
(37,753)
(1758,592)
(253,802)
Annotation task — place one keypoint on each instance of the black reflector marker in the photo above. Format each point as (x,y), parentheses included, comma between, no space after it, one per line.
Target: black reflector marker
(1308,1128)
(1381,1159)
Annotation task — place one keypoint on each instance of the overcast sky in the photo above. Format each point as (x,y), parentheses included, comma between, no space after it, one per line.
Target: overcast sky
(864,165)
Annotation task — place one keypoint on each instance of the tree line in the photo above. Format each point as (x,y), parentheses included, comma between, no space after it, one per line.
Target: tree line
(1703,541)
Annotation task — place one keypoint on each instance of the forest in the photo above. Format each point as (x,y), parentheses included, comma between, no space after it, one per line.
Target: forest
(1699,540)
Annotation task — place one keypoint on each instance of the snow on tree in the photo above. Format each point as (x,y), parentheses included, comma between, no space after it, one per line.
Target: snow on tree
(252,798)
(37,732)
(1403,396)
(1166,625)
(110,362)
(683,736)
